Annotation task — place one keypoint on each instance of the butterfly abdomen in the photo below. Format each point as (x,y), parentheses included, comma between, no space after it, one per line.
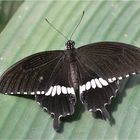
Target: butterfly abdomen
(74,75)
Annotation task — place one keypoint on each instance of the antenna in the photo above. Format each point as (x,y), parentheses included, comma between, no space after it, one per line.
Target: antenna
(56,29)
(77,25)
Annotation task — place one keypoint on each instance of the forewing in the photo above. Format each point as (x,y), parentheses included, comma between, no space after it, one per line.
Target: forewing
(30,75)
(111,60)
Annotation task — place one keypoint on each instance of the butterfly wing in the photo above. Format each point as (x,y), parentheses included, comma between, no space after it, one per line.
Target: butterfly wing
(45,75)
(95,92)
(102,65)
(31,74)
(111,60)
(60,98)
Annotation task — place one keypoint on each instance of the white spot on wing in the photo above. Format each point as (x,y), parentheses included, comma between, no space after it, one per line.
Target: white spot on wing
(105,104)
(110,80)
(88,85)
(45,108)
(64,90)
(54,91)
(58,90)
(103,82)
(52,113)
(83,87)
(32,93)
(93,83)
(49,91)
(70,90)
(60,116)
(38,103)
(98,83)
(114,78)
(38,92)
(98,109)
(90,110)
(120,78)
(41,78)
(133,73)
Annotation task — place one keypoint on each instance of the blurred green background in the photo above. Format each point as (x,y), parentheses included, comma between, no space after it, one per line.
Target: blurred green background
(7,10)
(24,31)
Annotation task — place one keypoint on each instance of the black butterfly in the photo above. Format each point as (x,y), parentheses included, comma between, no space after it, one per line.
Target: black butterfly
(53,77)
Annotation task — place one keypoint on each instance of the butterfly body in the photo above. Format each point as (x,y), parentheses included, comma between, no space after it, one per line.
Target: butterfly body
(70,55)
(54,77)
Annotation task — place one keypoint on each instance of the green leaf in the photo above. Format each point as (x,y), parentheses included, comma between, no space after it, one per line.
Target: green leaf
(7,9)
(28,33)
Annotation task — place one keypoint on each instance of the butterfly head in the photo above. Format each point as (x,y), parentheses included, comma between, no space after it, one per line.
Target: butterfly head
(70,44)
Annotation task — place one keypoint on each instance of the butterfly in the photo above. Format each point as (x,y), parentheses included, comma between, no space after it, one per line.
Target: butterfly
(57,78)
(53,77)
